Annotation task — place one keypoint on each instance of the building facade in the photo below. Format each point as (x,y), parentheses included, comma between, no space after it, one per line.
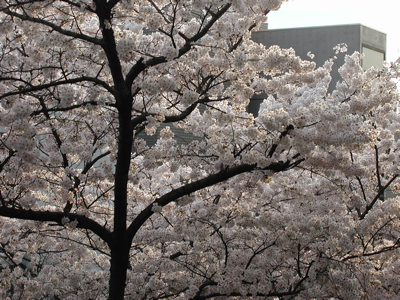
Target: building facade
(320,41)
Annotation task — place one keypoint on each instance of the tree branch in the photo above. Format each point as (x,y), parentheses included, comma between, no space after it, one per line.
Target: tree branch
(395,246)
(141,65)
(186,190)
(57,83)
(57,28)
(50,216)
(377,197)
(58,109)
(192,187)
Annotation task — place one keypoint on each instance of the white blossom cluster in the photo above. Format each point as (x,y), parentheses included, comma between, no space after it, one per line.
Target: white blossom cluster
(138,115)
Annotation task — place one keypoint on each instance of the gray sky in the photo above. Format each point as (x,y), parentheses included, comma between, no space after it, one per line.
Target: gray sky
(382,15)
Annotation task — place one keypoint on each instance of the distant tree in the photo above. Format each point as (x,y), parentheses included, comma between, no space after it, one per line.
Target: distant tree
(287,204)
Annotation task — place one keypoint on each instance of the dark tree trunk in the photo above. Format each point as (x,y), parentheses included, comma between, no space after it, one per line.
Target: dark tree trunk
(120,246)
(118,270)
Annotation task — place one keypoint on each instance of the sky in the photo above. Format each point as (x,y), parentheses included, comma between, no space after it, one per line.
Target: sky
(382,15)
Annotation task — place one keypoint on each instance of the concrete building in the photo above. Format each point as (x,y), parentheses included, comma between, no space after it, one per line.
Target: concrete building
(320,42)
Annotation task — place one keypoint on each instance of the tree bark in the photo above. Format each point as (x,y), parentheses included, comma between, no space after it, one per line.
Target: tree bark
(118,270)
(120,247)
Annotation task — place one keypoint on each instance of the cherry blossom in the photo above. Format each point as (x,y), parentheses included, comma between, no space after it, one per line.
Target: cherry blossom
(131,168)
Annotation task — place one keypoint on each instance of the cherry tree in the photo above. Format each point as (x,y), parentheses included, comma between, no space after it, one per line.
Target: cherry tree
(291,203)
